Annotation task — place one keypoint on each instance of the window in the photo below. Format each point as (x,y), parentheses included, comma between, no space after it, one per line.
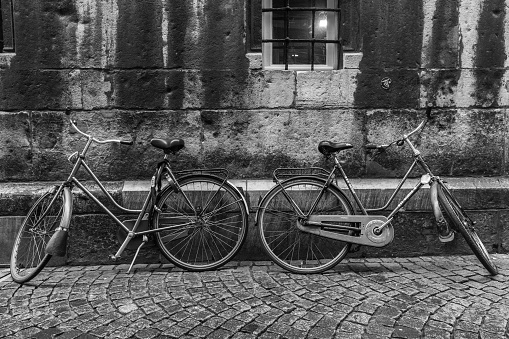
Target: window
(6,26)
(300,34)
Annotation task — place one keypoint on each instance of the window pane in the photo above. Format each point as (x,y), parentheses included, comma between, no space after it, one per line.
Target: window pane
(279,3)
(278,53)
(320,53)
(299,53)
(299,3)
(299,25)
(321,24)
(278,25)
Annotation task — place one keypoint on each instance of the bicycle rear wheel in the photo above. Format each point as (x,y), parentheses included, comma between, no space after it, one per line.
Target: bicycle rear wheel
(206,223)
(28,255)
(284,242)
(462,223)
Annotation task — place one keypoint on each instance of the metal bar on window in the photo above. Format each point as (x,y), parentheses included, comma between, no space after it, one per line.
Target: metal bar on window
(313,14)
(335,41)
(287,29)
(286,42)
(307,9)
(1,29)
(7,26)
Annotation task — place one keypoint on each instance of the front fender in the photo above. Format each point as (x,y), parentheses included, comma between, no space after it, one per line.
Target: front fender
(57,245)
(439,217)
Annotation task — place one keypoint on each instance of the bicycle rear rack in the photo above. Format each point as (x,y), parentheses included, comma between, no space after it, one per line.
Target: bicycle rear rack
(287,173)
(219,172)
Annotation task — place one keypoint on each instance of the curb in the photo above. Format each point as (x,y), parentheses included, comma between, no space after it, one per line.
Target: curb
(487,199)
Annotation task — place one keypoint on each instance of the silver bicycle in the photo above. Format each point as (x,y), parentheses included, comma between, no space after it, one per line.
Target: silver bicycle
(307,224)
(198,218)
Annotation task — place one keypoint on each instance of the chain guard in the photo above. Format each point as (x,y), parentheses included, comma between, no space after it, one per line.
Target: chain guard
(384,237)
(332,227)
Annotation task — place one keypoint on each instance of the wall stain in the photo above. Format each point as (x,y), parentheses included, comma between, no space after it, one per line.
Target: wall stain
(139,55)
(444,52)
(444,45)
(224,67)
(490,53)
(392,43)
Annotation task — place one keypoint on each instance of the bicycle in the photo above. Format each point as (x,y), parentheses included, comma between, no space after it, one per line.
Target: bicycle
(199,219)
(307,224)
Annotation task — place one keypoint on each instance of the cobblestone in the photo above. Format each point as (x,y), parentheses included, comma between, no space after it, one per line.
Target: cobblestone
(426,297)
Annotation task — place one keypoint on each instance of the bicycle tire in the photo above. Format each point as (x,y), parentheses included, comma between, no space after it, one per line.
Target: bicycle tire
(290,248)
(28,255)
(218,223)
(462,223)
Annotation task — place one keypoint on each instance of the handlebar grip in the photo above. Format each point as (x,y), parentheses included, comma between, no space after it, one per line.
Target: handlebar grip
(126,142)
(371,146)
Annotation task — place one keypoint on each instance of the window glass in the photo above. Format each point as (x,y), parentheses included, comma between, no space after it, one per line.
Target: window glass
(302,34)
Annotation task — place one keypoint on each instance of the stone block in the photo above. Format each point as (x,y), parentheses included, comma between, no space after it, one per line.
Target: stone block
(326,89)
(351,60)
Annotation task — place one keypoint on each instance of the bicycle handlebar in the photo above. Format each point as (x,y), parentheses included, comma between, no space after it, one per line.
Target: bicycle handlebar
(423,123)
(123,142)
(400,142)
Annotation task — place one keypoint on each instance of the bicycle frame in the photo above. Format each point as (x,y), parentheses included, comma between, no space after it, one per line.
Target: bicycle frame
(58,243)
(372,224)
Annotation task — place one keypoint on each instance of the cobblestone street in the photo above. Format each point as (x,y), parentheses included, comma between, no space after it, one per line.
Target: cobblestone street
(425,297)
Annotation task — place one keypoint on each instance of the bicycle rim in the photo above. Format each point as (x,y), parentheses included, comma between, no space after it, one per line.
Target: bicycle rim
(466,227)
(213,226)
(291,248)
(28,256)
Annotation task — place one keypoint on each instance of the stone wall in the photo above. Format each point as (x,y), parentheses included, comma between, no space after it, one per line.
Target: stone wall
(157,68)
(191,69)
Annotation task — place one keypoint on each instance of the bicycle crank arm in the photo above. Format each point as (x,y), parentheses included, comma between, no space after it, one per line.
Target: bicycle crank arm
(370,232)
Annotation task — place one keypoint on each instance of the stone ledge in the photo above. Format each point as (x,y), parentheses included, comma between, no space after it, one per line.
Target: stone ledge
(93,233)
(472,192)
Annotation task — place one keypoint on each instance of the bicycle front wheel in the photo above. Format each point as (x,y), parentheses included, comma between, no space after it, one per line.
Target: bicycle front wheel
(203,225)
(284,242)
(28,255)
(462,223)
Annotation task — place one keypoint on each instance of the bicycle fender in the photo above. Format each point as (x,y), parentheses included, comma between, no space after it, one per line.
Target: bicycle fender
(171,187)
(439,217)
(57,245)
(277,185)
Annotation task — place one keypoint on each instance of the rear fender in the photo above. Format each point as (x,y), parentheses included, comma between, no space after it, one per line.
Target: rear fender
(172,187)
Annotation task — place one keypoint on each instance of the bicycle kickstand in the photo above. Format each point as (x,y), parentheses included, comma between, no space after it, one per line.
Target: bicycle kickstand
(145,240)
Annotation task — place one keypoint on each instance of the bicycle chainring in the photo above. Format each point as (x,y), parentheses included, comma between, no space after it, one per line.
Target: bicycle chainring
(382,238)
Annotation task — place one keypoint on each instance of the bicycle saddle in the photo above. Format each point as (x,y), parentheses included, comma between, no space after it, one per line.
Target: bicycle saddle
(168,145)
(328,147)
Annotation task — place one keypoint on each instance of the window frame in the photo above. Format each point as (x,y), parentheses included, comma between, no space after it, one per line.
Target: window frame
(7,40)
(333,41)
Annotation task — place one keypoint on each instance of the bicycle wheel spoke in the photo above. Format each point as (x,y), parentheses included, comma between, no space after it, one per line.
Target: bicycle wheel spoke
(29,251)
(290,247)
(464,224)
(219,223)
